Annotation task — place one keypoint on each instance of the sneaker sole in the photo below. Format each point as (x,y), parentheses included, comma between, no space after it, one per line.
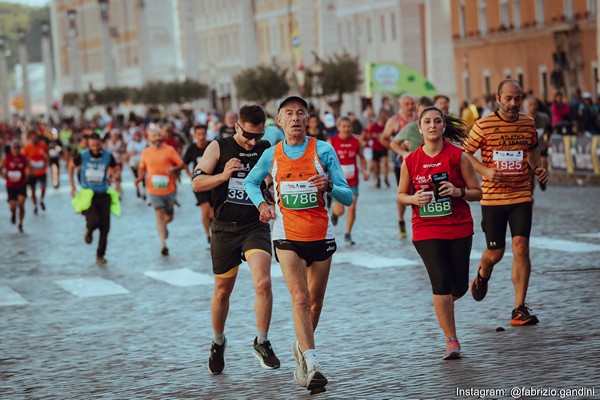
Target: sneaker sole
(473,291)
(261,361)
(530,321)
(317,384)
(216,373)
(452,356)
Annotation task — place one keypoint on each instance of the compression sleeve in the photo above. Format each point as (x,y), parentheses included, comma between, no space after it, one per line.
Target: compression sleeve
(341,191)
(257,175)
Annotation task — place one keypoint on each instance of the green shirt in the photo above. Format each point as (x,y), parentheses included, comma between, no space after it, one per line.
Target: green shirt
(411,133)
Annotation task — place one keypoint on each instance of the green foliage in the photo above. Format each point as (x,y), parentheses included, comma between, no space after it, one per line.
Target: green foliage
(14,16)
(261,84)
(341,74)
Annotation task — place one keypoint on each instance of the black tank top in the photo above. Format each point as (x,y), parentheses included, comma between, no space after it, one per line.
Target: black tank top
(230,201)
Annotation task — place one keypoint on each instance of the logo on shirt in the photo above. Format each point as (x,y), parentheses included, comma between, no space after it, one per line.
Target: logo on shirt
(432,165)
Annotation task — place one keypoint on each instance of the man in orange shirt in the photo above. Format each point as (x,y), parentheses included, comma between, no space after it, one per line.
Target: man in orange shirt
(160,163)
(36,151)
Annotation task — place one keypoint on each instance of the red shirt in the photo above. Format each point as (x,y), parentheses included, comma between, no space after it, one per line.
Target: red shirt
(347,151)
(459,223)
(15,171)
(373,134)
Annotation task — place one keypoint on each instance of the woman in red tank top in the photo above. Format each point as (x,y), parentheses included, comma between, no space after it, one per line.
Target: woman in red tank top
(437,180)
(15,168)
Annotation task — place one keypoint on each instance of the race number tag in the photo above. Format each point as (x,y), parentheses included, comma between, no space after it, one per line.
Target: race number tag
(160,181)
(53,153)
(94,176)
(38,164)
(14,176)
(436,208)
(349,171)
(299,195)
(236,193)
(509,162)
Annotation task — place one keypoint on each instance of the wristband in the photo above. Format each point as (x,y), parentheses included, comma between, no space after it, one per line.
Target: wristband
(329,187)
(463,192)
(197,173)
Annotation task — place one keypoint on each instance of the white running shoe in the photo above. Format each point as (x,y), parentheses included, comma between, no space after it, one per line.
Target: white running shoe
(301,371)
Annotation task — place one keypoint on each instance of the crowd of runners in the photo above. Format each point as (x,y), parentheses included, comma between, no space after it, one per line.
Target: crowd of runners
(278,185)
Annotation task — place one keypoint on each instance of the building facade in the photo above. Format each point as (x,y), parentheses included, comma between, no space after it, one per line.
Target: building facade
(548,45)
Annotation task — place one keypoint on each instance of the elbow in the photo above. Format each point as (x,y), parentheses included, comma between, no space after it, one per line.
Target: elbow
(477,195)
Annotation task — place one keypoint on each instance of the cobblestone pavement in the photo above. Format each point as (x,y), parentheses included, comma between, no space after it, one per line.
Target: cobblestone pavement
(139,327)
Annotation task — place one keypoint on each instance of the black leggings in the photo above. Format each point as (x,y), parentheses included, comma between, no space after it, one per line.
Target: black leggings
(98,217)
(447,263)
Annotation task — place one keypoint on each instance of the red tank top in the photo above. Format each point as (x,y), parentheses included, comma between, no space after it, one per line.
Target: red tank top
(442,220)
(347,150)
(15,171)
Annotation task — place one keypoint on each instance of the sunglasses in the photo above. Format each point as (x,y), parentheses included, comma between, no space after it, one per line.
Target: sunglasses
(250,135)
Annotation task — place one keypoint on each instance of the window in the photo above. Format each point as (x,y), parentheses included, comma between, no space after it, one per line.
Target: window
(482,17)
(504,17)
(369,33)
(467,85)
(383,28)
(517,13)
(591,7)
(520,76)
(539,12)
(486,83)
(462,19)
(543,71)
(595,78)
(506,73)
(393,25)
(568,5)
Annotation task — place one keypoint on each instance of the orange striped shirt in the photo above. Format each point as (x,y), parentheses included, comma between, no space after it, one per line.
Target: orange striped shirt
(505,146)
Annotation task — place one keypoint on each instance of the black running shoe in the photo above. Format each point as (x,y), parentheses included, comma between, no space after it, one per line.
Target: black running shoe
(316,379)
(88,236)
(13,218)
(216,362)
(164,251)
(20,228)
(479,287)
(334,219)
(35,210)
(348,240)
(265,355)
(521,317)
(401,229)
(43,206)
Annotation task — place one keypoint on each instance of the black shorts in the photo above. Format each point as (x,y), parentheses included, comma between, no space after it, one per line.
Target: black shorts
(447,264)
(203,197)
(310,252)
(397,173)
(14,193)
(494,220)
(54,161)
(378,154)
(230,241)
(32,180)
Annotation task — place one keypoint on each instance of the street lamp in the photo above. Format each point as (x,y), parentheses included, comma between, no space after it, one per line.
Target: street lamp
(47,60)
(4,79)
(74,50)
(72,17)
(24,61)
(109,73)
(103,9)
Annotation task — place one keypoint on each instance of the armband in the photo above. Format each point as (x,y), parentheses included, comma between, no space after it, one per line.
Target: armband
(197,173)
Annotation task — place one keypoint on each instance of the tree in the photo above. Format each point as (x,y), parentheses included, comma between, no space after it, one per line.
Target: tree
(341,74)
(261,84)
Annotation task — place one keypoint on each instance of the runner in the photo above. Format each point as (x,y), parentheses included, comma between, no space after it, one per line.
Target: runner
(379,162)
(193,155)
(95,166)
(509,150)
(54,153)
(348,148)
(393,126)
(117,147)
(437,180)
(237,232)
(133,156)
(228,128)
(36,151)
(15,168)
(160,164)
(543,129)
(303,169)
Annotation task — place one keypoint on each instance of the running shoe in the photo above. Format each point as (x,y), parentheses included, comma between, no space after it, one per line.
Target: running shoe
(216,362)
(452,350)
(88,236)
(13,218)
(479,286)
(315,378)
(101,260)
(164,251)
(265,355)
(378,184)
(521,317)
(43,206)
(208,244)
(35,210)
(301,371)
(348,240)
(402,230)
(137,192)
(20,228)
(387,183)
(334,219)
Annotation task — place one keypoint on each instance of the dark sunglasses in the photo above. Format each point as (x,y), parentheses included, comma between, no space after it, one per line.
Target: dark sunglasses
(250,135)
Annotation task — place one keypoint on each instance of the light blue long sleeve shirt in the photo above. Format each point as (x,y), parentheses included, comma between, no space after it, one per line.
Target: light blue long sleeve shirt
(341,191)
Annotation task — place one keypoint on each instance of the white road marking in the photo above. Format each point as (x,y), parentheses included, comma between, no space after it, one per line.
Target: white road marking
(476,254)
(275,268)
(180,277)
(589,235)
(562,245)
(91,287)
(9,297)
(370,261)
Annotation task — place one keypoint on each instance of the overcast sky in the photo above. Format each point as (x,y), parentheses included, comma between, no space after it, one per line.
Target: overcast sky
(35,3)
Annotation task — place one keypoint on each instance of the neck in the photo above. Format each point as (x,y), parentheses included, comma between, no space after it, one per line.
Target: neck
(433,148)
(506,117)
(295,139)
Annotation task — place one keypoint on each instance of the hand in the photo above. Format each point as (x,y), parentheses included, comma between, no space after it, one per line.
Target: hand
(542,174)
(448,189)
(73,192)
(320,181)
(232,166)
(422,198)
(494,175)
(267,213)
(366,176)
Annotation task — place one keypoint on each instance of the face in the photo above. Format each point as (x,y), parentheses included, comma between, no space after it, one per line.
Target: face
(313,122)
(249,134)
(95,145)
(200,135)
(137,137)
(443,105)
(155,137)
(509,100)
(15,149)
(530,107)
(293,118)
(431,125)
(344,128)
(407,105)
(230,118)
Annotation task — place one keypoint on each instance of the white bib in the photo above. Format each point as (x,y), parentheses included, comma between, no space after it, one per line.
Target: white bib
(160,181)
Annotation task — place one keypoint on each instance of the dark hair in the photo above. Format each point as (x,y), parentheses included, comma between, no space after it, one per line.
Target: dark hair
(200,126)
(425,101)
(94,136)
(504,82)
(441,96)
(456,129)
(252,114)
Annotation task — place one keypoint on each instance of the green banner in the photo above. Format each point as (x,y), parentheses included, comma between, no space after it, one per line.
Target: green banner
(396,79)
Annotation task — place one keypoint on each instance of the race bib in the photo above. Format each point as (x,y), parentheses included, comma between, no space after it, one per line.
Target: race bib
(349,171)
(38,164)
(94,176)
(436,208)
(510,162)
(14,176)
(134,161)
(53,153)
(236,193)
(299,195)
(160,181)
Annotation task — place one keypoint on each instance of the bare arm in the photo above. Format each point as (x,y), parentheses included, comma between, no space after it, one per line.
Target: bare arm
(534,161)
(491,173)
(388,131)
(71,170)
(206,180)
(420,198)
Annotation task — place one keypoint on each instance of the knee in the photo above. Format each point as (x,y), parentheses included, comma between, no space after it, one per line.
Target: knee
(263,287)
(301,301)
(493,256)
(316,305)
(221,295)
(460,291)
(521,248)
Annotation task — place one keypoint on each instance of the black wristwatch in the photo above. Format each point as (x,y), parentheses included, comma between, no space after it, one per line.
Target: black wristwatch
(329,187)
(463,192)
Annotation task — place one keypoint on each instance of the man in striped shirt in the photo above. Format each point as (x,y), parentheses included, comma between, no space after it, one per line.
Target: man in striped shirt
(509,149)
